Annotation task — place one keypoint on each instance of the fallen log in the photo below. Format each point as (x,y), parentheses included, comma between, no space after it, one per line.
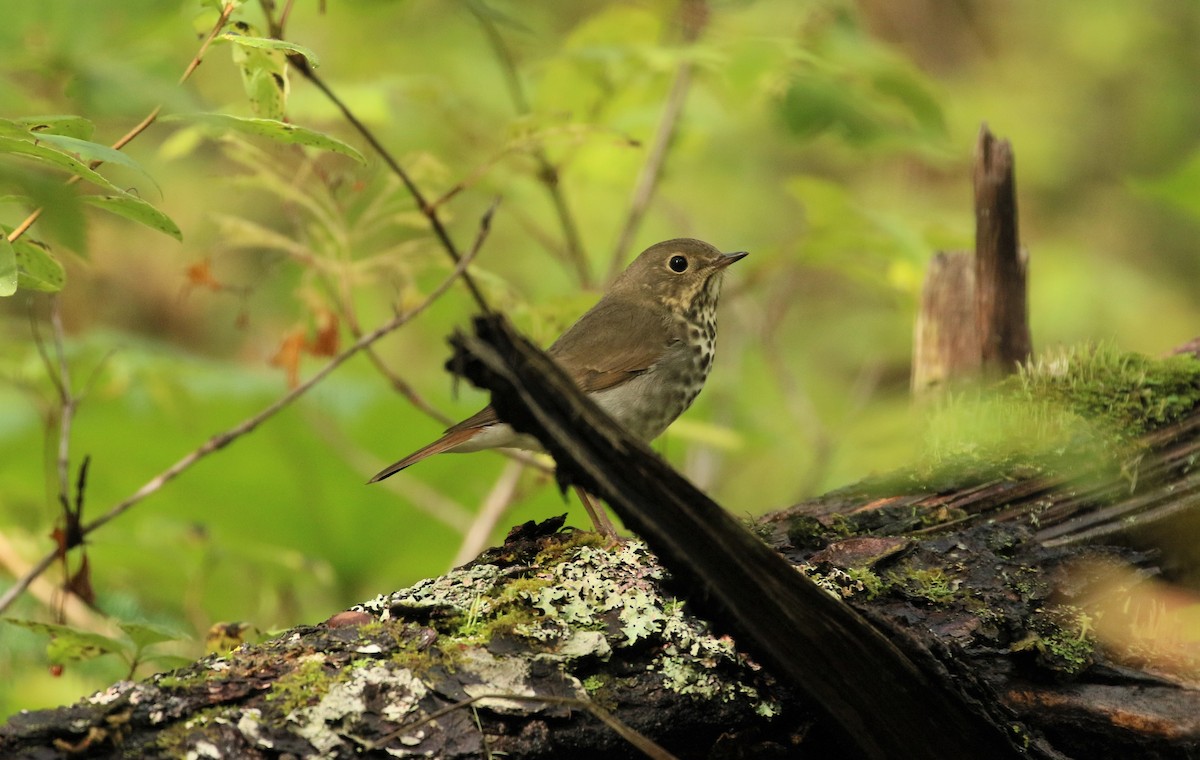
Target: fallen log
(992,579)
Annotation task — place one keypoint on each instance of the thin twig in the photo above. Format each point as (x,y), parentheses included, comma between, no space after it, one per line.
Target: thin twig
(495,504)
(221,440)
(547,172)
(651,171)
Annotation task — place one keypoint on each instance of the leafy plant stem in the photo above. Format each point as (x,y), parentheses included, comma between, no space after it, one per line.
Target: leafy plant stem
(221,440)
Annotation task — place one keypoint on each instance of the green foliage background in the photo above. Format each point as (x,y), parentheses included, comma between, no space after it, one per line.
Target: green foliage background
(831,139)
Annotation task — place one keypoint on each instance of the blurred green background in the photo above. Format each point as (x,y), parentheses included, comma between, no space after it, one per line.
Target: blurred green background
(832,139)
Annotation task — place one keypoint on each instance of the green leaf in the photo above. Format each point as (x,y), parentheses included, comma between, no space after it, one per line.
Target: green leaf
(90,151)
(264,73)
(266,43)
(134,208)
(57,159)
(8,267)
(147,634)
(69,644)
(275,130)
(37,269)
(68,126)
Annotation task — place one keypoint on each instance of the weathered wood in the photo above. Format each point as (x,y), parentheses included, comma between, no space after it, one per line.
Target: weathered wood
(1000,267)
(946,337)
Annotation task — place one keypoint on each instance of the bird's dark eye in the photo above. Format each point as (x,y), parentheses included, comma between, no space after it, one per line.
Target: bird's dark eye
(678,264)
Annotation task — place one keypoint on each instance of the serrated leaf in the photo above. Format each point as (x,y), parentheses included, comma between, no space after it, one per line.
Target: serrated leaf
(69,644)
(135,209)
(147,634)
(37,269)
(90,151)
(8,268)
(66,125)
(278,131)
(266,43)
(56,159)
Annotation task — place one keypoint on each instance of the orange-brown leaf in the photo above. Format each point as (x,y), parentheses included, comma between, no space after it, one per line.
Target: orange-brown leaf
(288,356)
(325,342)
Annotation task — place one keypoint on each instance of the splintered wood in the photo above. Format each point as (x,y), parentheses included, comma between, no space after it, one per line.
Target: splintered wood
(974,313)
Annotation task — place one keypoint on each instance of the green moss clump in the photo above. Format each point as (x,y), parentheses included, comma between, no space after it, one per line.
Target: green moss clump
(1133,393)
(931,584)
(303,686)
(1062,638)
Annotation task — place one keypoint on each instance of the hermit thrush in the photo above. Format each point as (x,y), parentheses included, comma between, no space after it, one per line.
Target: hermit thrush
(642,353)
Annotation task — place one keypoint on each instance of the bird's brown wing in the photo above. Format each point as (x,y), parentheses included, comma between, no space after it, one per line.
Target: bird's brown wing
(613,342)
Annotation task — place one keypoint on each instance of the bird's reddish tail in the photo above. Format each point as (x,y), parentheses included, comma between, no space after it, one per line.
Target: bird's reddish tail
(446,443)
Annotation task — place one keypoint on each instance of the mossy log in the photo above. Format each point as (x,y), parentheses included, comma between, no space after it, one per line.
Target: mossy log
(1040,587)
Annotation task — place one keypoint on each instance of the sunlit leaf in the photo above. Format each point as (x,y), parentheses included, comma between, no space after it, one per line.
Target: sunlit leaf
(267,43)
(135,209)
(278,131)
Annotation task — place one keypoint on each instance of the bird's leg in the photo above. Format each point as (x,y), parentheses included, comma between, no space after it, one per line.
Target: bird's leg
(600,519)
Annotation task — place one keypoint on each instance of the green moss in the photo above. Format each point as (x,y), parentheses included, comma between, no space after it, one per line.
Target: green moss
(1062,637)
(872,585)
(1132,393)
(303,686)
(931,584)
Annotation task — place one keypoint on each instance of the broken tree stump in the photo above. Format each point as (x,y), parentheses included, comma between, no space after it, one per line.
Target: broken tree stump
(973,314)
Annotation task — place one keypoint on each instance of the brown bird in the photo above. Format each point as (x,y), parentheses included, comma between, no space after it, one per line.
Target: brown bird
(642,353)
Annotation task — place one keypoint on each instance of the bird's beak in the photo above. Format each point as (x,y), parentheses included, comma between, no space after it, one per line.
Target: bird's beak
(728,258)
